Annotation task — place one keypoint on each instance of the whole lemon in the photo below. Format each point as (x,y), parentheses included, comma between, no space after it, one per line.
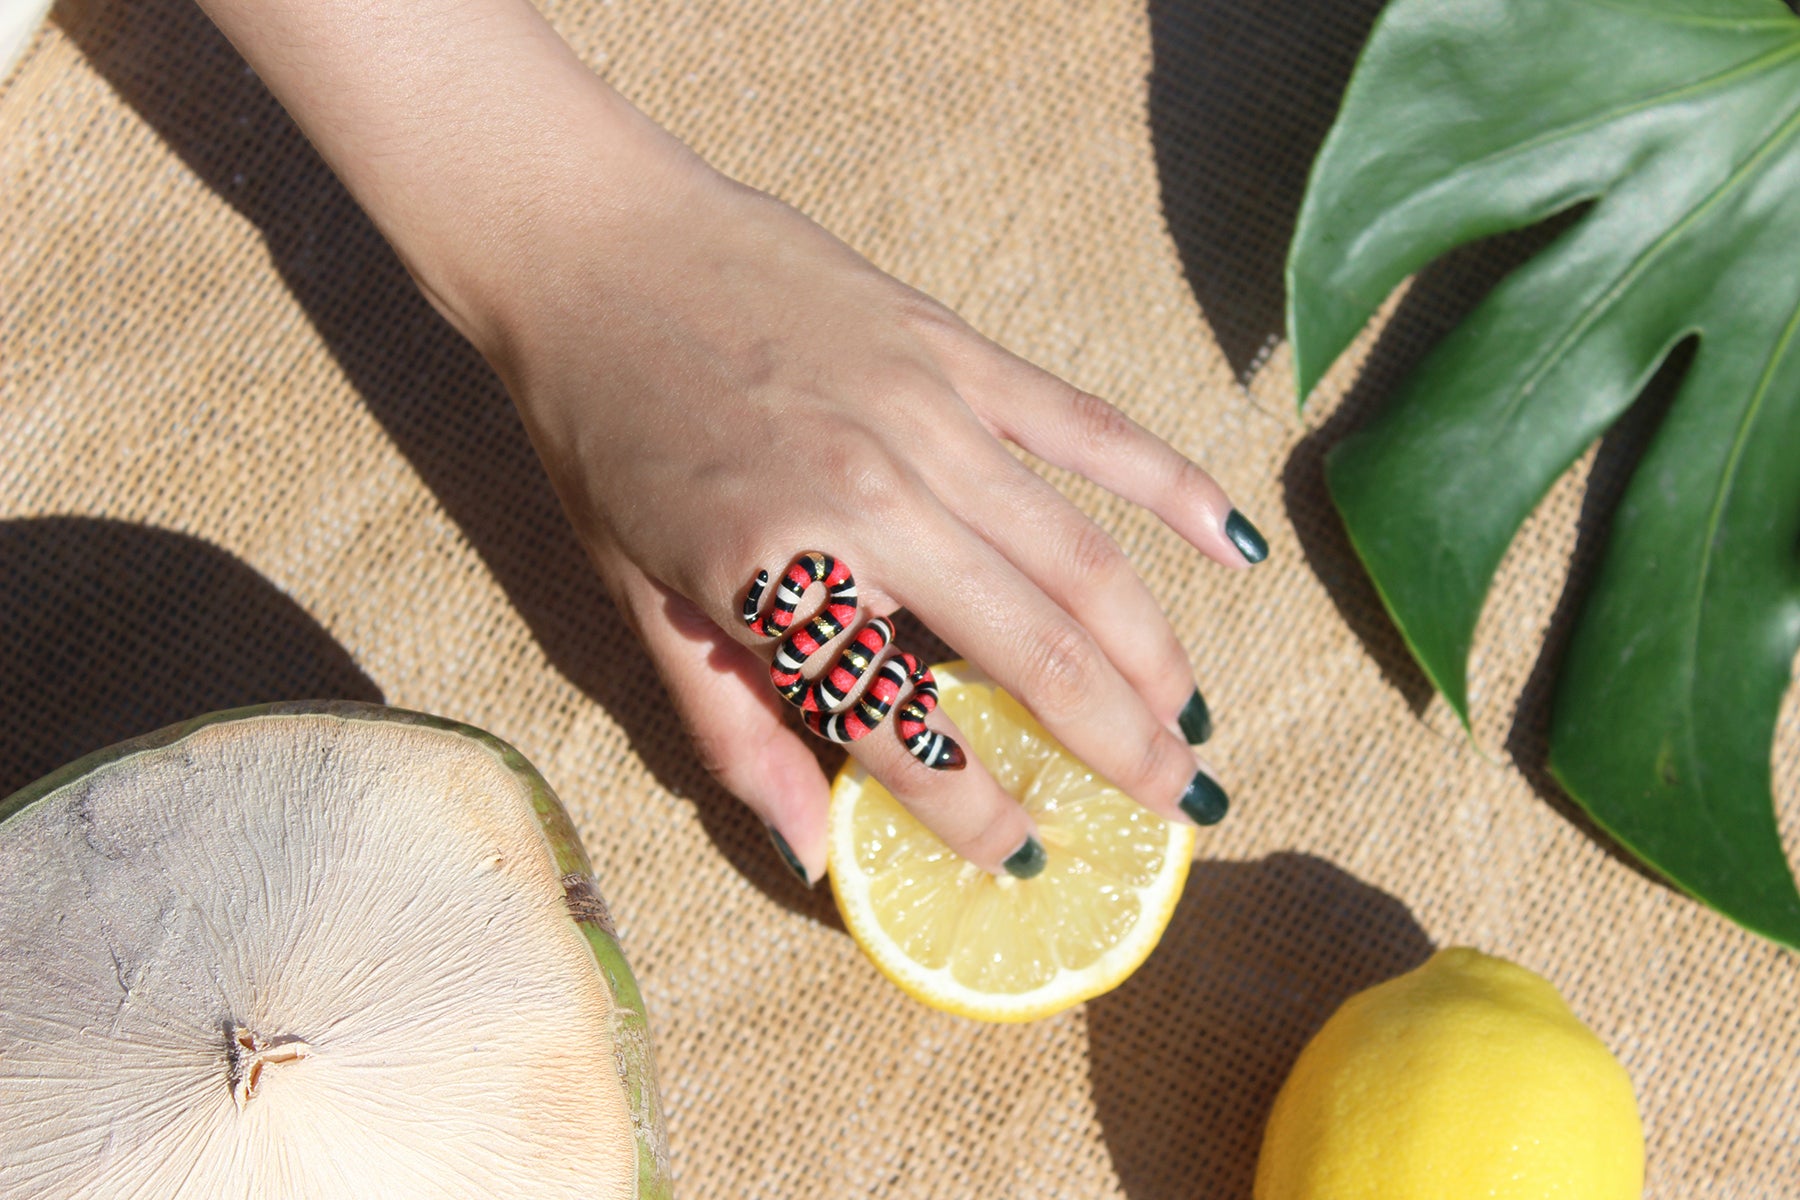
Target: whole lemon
(1468,1077)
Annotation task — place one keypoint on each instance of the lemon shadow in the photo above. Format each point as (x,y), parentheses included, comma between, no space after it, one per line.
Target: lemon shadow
(1186,1056)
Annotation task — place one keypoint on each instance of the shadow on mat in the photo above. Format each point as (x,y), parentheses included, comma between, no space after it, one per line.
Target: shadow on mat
(1241,97)
(1528,741)
(1186,1056)
(1240,100)
(112,630)
(1437,300)
(432,393)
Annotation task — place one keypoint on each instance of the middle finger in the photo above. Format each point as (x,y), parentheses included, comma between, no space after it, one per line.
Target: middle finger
(978,601)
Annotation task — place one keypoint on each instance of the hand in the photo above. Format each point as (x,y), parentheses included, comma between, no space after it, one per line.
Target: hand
(716,384)
(720,384)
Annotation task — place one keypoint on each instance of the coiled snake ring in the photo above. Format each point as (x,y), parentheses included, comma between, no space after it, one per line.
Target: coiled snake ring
(822,701)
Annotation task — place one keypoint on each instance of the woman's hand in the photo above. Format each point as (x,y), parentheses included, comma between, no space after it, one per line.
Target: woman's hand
(716,385)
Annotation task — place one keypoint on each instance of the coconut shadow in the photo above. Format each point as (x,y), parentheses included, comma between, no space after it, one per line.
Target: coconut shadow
(114,630)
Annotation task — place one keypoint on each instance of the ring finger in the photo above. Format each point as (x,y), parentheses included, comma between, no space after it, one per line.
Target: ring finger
(836,665)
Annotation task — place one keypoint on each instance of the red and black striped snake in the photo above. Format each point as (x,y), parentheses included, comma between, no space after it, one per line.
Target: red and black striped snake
(822,701)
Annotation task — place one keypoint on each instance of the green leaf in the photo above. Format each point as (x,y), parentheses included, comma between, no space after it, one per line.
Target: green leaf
(1678,123)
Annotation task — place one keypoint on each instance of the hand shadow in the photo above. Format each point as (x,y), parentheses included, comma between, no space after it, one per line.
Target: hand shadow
(432,393)
(1186,1056)
(113,630)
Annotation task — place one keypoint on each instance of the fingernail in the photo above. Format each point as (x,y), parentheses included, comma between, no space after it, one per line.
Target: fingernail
(1204,801)
(1028,860)
(789,857)
(1195,720)
(1245,537)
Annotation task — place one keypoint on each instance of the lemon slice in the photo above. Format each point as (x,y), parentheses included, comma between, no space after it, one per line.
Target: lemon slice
(999,948)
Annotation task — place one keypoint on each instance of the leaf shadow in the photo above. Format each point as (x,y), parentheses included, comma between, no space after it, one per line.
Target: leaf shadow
(432,393)
(1234,141)
(1436,301)
(1620,450)
(113,630)
(1186,1056)
(1240,98)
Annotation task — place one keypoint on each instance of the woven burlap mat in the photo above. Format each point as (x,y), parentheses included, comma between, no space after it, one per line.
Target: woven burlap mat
(243,460)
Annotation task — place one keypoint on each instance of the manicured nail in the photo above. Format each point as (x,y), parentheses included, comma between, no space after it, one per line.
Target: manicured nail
(1244,536)
(1028,860)
(1204,801)
(789,857)
(1195,720)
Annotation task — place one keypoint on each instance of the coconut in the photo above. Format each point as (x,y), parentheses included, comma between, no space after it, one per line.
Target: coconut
(19,21)
(314,950)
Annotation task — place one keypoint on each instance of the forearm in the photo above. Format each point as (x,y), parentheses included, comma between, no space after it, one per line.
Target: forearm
(467,129)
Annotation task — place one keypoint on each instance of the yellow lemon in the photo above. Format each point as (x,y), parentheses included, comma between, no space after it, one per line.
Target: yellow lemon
(999,948)
(1468,1077)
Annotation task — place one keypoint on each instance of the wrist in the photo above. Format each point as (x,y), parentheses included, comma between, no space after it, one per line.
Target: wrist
(566,191)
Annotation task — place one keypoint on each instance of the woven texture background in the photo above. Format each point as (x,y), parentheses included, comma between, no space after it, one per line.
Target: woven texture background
(241,460)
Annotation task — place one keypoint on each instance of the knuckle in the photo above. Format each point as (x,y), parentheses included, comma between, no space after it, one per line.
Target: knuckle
(910,397)
(1162,769)
(837,461)
(1093,557)
(1061,666)
(1098,425)
(857,469)
(927,318)
(1190,486)
(881,490)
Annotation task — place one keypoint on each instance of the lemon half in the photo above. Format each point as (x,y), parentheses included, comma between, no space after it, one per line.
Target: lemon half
(999,948)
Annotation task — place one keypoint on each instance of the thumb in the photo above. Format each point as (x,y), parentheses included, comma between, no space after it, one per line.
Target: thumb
(738,723)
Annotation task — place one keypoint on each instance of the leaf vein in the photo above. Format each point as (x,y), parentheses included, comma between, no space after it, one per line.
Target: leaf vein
(1783,21)
(1642,263)
(1716,515)
(1767,61)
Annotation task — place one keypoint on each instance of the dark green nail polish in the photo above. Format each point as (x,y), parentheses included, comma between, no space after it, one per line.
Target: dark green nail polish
(789,857)
(1245,537)
(1204,801)
(1195,720)
(1028,860)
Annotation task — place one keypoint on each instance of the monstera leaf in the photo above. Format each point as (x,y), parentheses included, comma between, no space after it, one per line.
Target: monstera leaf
(1678,123)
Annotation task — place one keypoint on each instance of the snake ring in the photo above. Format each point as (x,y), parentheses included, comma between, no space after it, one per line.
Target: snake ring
(825,703)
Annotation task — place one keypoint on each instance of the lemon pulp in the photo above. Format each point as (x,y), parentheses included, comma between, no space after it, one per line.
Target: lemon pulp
(997,947)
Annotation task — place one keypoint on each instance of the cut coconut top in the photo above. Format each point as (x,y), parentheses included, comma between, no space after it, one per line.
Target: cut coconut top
(302,956)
